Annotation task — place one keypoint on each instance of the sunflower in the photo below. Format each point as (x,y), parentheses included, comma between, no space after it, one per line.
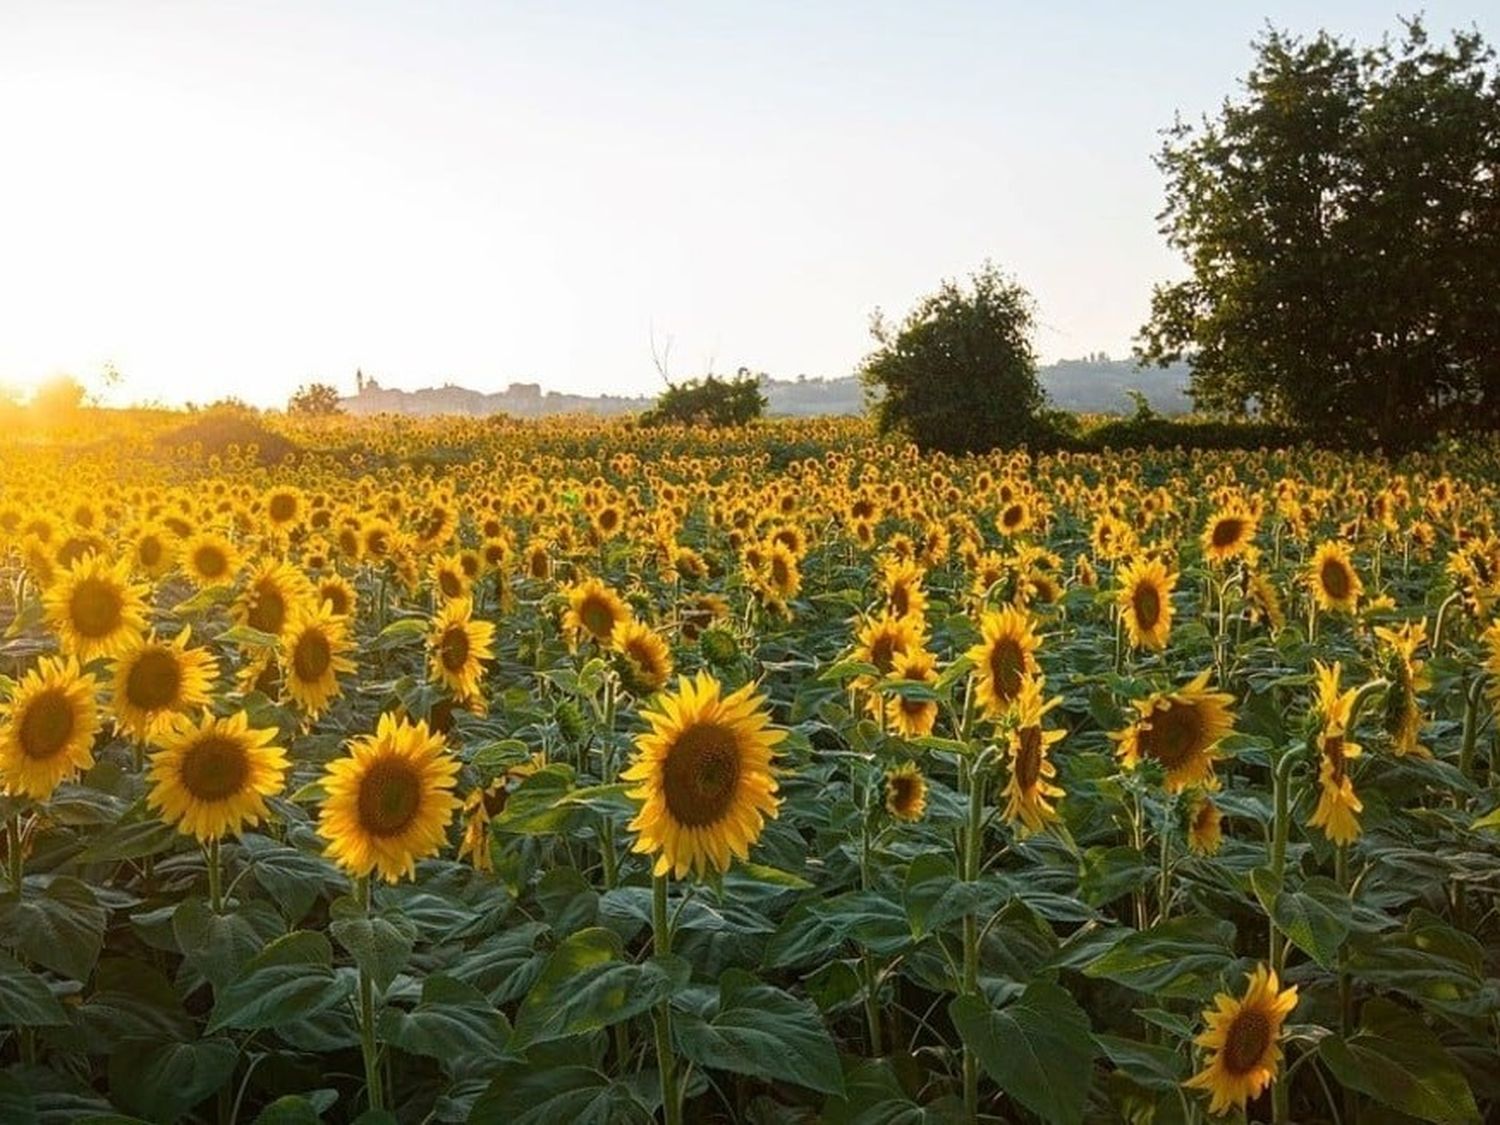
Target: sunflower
(337,592)
(1333,580)
(153,550)
(155,681)
(1005,656)
(212,777)
(904,596)
(1263,602)
(536,562)
(645,662)
(210,559)
(285,507)
(782,576)
(1030,790)
(1229,532)
(459,647)
(389,802)
(1408,677)
(1178,730)
(1492,663)
(1205,831)
(911,717)
(906,792)
(48,728)
(272,594)
(94,608)
(1241,1037)
(879,641)
(314,651)
(704,776)
(593,612)
(1145,601)
(449,579)
(1338,806)
(479,808)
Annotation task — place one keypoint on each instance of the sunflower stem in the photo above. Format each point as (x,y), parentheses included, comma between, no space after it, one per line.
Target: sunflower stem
(13,852)
(215,878)
(368,1048)
(1164,885)
(1471,724)
(1281,780)
(969,874)
(661,930)
(1442,619)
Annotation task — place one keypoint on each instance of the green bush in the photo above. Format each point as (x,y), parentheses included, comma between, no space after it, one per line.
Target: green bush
(708,402)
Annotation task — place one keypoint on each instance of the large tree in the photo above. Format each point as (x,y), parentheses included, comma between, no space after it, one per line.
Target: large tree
(959,373)
(1341,222)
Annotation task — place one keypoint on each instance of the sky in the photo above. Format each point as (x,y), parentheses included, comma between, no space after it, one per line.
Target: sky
(235,199)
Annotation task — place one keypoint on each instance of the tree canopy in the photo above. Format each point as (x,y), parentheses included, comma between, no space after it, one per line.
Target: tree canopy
(1341,221)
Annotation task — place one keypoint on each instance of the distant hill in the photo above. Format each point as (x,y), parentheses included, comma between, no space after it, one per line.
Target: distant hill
(1095,385)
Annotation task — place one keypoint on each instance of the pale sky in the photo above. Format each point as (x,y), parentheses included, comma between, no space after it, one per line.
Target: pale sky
(238,198)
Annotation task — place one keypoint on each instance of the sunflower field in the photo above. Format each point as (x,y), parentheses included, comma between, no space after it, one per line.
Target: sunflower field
(572,772)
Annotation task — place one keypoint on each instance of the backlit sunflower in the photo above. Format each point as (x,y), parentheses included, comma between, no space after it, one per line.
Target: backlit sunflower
(593,612)
(1333,580)
(904,595)
(911,717)
(95,609)
(458,648)
(645,662)
(704,776)
(212,777)
(1178,730)
(1030,791)
(1408,677)
(156,680)
(153,550)
(906,792)
(1241,1038)
(1338,806)
(47,728)
(338,592)
(449,579)
(390,801)
(1145,601)
(1229,532)
(1005,656)
(314,651)
(210,559)
(272,594)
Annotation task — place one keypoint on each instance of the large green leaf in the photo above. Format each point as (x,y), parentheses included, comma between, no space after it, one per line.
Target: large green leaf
(1180,957)
(1315,918)
(220,945)
(586,986)
(25,999)
(762,1031)
(292,978)
(1394,1058)
(380,944)
(579,1095)
(59,926)
(162,1081)
(452,1021)
(1038,1049)
(935,897)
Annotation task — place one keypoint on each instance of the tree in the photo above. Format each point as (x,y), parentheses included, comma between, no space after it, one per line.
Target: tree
(315,399)
(1342,225)
(959,373)
(710,401)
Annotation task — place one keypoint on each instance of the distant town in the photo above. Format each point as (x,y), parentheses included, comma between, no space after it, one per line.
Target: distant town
(1095,384)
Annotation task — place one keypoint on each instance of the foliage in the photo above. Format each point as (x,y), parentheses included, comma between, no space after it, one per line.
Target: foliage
(316,400)
(227,428)
(958,374)
(709,401)
(1342,225)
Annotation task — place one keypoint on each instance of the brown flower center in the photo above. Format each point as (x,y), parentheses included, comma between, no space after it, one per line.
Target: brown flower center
(282,507)
(214,768)
(597,616)
(1334,576)
(701,774)
(1007,662)
(453,649)
(1029,758)
(149,551)
(1175,735)
(1147,605)
(96,608)
(335,596)
(46,724)
(311,656)
(1227,531)
(390,796)
(209,561)
(450,584)
(1246,1041)
(154,680)
(268,614)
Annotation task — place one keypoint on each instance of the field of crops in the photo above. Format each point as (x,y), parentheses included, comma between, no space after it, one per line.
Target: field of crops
(569,773)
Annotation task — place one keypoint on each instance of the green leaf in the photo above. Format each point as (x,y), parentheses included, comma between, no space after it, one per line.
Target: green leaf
(205,599)
(1395,1059)
(585,986)
(133,840)
(760,873)
(292,978)
(400,632)
(1315,918)
(522,1094)
(935,897)
(764,1032)
(25,999)
(162,1081)
(59,926)
(220,945)
(248,637)
(848,670)
(1037,1049)
(1181,957)
(453,1020)
(380,944)
(290,1110)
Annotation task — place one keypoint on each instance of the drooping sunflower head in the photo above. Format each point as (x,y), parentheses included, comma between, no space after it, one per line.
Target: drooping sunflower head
(47,728)
(912,716)
(1205,831)
(1003,658)
(704,776)
(1229,533)
(1338,805)
(1263,602)
(389,802)
(906,792)
(1242,1040)
(644,660)
(1031,791)
(1145,601)
(593,612)
(1402,719)
(1333,580)
(156,680)
(314,652)
(212,777)
(95,609)
(1178,730)
(459,647)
